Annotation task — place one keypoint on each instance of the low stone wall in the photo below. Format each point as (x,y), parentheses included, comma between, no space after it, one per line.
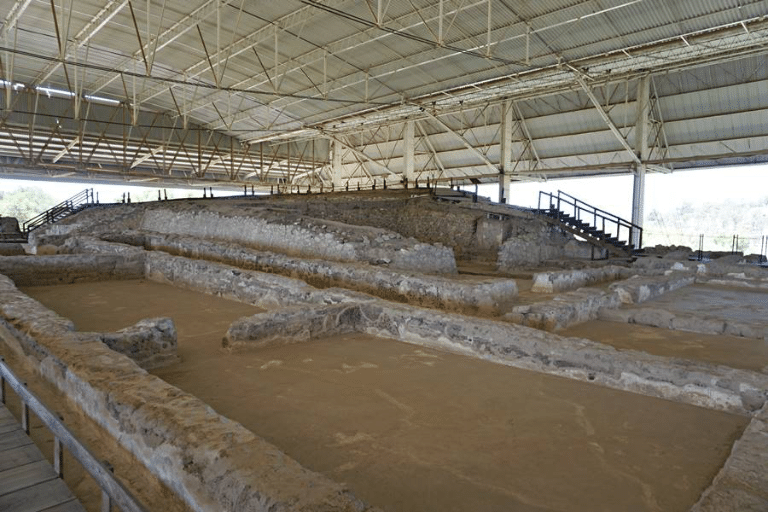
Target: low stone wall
(638,289)
(259,224)
(11,249)
(475,296)
(212,463)
(305,236)
(685,322)
(564,310)
(701,384)
(565,280)
(66,269)
(290,325)
(691,382)
(151,342)
(742,482)
(548,244)
(735,281)
(267,291)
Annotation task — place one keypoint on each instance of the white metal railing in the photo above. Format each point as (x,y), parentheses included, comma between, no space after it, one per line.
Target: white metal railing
(112,491)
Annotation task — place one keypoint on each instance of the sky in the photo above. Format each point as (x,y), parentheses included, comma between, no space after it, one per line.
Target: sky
(663,192)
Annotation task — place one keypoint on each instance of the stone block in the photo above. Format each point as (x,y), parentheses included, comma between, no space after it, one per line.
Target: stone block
(291,325)
(151,343)
(694,323)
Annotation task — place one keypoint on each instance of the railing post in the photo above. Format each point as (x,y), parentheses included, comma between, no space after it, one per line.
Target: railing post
(58,454)
(106,501)
(24,414)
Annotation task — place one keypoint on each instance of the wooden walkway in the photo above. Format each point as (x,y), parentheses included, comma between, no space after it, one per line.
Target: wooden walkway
(28,482)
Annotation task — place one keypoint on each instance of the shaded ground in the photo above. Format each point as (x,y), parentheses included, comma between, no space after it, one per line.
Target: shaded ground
(413,429)
(732,351)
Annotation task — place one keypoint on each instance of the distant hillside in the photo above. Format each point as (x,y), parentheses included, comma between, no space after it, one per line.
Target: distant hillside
(718,222)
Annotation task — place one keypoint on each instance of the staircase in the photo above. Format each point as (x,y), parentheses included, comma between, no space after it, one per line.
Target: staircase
(74,204)
(594,225)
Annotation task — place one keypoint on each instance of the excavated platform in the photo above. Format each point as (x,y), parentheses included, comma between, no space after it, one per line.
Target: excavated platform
(735,304)
(736,352)
(410,428)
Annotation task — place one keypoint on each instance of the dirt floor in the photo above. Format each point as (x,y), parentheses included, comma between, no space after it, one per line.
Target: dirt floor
(731,351)
(413,429)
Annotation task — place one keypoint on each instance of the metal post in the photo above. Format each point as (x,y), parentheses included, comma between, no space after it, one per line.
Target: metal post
(58,454)
(24,415)
(642,127)
(106,501)
(408,151)
(505,166)
(336,167)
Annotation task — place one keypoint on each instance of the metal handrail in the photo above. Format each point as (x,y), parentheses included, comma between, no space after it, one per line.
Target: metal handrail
(581,207)
(112,490)
(55,213)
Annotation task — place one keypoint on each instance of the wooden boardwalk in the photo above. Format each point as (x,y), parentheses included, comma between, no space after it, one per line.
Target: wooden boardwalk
(28,482)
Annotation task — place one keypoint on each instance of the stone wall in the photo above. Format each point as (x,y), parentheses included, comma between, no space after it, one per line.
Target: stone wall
(565,310)
(547,243)
(691,382)
(66,269)
(213,463)
(565,280)
(483,296)
(742,482)
(639,289)
(261,225)
(290,325)
(267,291)
(411,214)
(305,236)
(151,342)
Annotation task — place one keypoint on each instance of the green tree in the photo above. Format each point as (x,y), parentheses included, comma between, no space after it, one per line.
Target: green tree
(24,203)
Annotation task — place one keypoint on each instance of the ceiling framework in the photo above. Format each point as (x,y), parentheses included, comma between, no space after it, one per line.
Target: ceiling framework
(342,92)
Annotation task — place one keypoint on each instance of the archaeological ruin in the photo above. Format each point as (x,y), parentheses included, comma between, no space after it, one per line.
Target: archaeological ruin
(391,350)
(383,255)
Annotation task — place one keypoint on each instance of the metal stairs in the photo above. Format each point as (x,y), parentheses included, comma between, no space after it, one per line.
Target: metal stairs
(74,204)
(594,225)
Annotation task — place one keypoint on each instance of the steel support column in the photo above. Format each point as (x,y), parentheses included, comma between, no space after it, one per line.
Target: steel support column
(641,147)
(408,148)
(505,167)
(336,149)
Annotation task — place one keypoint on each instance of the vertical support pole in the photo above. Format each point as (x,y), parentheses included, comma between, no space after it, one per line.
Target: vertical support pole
(641,148)
(408,151)
(336,168)
(106,501)
(488,33)
(277,83)
(505,166)
(58,455)
(440,24)
(25,415)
